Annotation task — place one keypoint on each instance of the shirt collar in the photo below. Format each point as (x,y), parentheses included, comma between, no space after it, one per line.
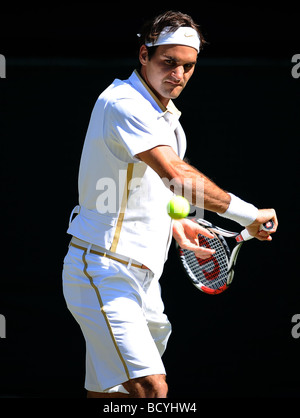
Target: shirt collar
(142,87)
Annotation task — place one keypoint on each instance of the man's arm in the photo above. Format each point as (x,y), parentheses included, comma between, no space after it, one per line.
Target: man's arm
(168,165)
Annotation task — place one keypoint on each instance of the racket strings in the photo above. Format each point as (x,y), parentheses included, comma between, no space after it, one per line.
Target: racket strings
(212,272)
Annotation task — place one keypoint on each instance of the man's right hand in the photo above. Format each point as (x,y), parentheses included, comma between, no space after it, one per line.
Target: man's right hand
(264,215)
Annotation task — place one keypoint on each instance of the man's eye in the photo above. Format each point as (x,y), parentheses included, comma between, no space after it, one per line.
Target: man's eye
(169,62)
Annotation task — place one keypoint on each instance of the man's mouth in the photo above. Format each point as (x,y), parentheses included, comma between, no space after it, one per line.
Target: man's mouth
(174,83)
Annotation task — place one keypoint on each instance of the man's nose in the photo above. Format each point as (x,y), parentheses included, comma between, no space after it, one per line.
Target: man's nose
(178,72)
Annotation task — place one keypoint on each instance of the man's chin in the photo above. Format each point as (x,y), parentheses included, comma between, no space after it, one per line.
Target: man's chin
(174,93)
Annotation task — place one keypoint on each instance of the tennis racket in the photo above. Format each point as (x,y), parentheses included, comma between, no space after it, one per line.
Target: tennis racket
(215,274)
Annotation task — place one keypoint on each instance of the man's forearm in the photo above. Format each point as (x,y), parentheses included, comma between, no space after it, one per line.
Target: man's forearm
(186,180)
(196,187)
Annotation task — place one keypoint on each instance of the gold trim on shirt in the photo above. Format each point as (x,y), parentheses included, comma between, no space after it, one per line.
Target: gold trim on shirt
(116,238)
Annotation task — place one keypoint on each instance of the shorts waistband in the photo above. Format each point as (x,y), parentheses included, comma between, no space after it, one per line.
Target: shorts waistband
(95,249)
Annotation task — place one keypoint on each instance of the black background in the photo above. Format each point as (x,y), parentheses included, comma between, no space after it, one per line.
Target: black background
(240,112)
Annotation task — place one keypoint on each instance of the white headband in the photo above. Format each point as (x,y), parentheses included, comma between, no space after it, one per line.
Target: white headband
(182,36)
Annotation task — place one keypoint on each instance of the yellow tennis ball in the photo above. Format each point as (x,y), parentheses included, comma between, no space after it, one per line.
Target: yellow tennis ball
(178,207)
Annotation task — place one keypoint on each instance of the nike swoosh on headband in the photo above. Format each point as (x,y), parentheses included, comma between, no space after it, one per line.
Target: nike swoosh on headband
(182,36)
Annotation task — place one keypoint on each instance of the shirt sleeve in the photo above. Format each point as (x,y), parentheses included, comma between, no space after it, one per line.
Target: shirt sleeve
(134,128)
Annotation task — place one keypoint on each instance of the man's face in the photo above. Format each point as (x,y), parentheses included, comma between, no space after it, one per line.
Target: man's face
(169,69)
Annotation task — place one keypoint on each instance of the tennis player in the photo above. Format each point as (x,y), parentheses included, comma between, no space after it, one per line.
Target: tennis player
(131,162)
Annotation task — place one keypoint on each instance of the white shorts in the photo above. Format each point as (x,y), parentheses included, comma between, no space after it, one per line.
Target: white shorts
(120,312)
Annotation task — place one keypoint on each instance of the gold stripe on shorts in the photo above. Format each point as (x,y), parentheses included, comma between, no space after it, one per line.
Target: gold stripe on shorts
(103,312)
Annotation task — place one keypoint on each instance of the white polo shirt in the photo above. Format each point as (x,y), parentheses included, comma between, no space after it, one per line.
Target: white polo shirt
(122,200)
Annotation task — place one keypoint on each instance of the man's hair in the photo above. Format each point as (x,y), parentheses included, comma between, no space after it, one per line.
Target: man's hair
(152,28)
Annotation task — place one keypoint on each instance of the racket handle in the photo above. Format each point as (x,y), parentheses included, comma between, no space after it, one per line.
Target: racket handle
(267,226)
(245,236)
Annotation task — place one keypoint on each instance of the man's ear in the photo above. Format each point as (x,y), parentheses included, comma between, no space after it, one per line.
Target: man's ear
(143,55)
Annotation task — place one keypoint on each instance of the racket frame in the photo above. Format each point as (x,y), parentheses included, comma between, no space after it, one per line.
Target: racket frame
(220,233)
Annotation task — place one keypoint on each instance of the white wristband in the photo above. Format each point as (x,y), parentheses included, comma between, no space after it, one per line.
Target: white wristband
(240,211)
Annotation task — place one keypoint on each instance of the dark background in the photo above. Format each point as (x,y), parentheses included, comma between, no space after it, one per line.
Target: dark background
(240,112)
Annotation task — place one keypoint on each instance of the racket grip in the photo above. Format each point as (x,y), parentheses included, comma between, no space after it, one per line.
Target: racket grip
(267,226)
(245,236)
